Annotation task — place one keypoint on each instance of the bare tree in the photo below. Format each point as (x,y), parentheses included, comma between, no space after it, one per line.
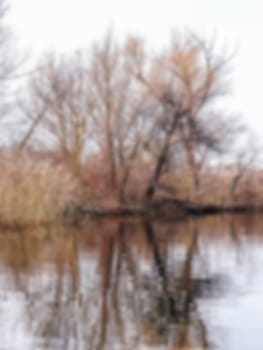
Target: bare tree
(59,103)
(222,130)
(245,159)
(118,110)
(184,81)
(70,95)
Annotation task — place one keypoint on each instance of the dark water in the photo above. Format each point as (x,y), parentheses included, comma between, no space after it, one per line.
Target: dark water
(134,285)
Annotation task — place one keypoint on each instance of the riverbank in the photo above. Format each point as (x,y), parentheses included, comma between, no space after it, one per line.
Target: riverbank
(161,209)
(41,193)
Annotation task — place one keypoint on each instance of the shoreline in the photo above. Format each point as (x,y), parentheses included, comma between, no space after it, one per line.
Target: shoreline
(171,210)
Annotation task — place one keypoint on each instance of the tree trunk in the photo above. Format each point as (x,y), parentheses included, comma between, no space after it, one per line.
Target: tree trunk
(162,159)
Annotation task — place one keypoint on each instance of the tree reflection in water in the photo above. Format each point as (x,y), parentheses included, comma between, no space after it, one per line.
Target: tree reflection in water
(116,285)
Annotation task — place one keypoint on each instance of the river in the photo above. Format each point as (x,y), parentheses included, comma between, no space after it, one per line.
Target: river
(130,284)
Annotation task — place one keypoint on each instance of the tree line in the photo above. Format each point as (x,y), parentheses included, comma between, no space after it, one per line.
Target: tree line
(142,116)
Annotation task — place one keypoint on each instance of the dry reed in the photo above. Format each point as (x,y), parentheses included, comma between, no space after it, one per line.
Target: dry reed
(32,191)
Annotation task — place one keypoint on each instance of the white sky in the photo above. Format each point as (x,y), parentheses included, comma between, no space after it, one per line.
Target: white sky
(66,25)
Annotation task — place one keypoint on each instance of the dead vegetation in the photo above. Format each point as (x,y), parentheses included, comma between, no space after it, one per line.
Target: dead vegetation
(120,125)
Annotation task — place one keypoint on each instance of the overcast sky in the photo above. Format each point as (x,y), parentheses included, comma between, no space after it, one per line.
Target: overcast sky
(66,25)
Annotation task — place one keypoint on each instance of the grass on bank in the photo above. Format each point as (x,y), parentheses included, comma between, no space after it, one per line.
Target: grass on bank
(33,192)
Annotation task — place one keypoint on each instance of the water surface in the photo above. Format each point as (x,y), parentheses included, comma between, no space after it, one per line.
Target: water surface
(196,284)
